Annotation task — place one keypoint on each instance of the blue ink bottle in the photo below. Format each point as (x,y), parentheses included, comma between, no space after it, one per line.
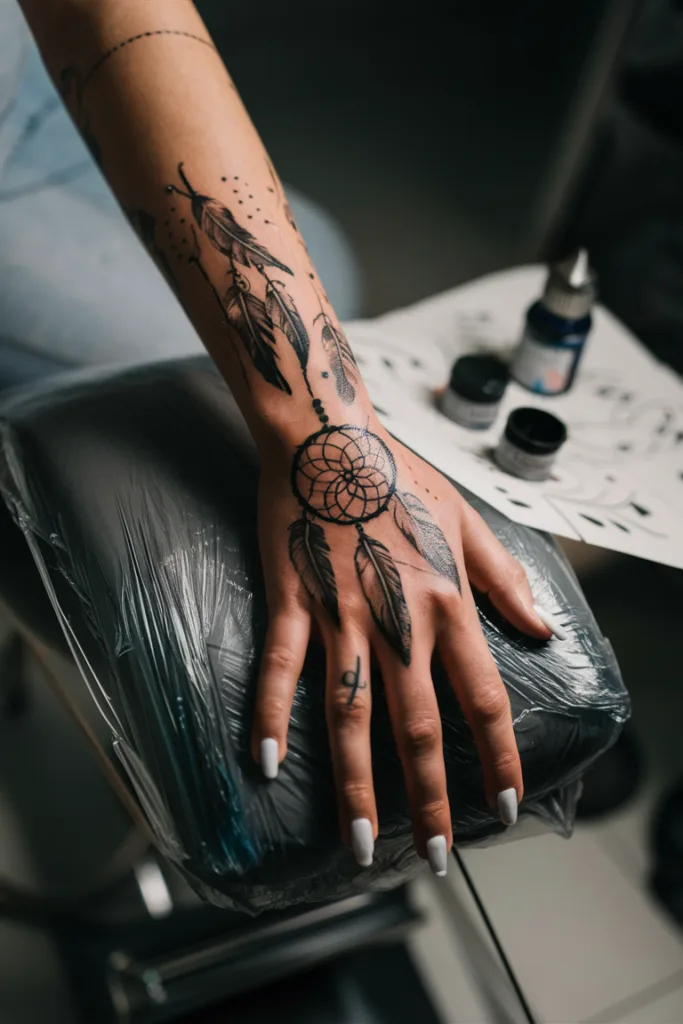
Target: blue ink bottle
(556,328)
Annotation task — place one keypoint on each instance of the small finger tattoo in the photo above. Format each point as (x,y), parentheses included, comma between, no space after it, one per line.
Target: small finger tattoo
(352,680)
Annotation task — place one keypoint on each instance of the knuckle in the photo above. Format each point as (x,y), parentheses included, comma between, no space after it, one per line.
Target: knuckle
(342,715)
(490,704)
(278,660)
(434,810)
(450,602)
(273,708)
(286,594)
(356,792)
(517,573)
(421,737)
(505,761)
(354,613)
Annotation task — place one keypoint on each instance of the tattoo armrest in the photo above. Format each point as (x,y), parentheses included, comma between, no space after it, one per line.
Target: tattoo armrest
(135,491)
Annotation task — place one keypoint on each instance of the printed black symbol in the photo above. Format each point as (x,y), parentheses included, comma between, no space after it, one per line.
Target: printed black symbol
(620,526)
(640,509)
(591,519)
(522,504)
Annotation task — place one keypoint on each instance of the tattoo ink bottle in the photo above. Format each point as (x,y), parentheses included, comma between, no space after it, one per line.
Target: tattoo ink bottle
(475,390)
(556,328)
(530,442)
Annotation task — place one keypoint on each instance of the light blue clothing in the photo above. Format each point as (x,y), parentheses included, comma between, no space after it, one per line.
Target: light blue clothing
(75,284)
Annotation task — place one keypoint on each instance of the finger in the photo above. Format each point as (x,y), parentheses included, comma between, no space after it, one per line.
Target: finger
(348,699)
(416,724)
(485,703)
(494,572)
(281,664)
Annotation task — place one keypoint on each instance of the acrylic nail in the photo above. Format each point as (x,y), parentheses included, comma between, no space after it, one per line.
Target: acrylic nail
(551,621)
(507,806)
(269,758)
(362,841)
(437,855)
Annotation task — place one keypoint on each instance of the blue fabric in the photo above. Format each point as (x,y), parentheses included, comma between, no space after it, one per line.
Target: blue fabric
(76,287)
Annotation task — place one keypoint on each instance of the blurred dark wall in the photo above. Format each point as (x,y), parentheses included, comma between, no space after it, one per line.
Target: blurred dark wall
(478,110)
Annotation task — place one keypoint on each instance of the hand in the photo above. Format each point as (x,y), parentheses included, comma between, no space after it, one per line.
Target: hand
(364,539)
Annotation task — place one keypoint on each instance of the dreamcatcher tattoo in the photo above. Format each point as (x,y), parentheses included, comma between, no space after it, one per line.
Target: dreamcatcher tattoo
(346,476)
(342,476)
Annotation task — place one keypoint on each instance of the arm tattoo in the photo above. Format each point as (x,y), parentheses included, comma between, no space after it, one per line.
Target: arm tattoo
(73,83)
(146,226)
(417,526)
(71,89)
(341,475)
(339,356)
(134,39)
(254,318)
(335,344)
(352,680)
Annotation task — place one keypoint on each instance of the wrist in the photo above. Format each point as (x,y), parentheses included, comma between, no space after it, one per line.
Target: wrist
(279,433)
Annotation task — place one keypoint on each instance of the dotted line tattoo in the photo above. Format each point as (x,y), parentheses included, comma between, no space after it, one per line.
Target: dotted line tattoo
(134,39)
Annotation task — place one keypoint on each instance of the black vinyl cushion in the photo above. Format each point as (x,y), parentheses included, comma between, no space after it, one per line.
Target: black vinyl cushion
(137,491)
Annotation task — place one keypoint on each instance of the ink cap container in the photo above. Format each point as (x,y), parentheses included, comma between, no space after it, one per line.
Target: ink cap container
(474,392)
(530,443)
(556,328)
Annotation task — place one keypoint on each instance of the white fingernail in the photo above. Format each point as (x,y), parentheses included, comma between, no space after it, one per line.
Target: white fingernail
(507,806)
(437,855)
(549,620)
(269,758)
(362,841)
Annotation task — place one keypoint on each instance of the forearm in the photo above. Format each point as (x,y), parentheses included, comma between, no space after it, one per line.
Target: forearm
(153,99)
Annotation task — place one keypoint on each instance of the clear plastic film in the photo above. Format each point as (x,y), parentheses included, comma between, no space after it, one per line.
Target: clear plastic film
(136,492)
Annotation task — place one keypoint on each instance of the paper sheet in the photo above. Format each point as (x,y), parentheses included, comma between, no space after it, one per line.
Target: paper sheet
(618,480)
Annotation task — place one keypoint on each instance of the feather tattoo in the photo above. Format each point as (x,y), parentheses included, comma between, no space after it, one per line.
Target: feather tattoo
(247,314)
(145,225)
(340,357)
(282,311)
(223,231)
(418,527)
(310,555)
(381,584)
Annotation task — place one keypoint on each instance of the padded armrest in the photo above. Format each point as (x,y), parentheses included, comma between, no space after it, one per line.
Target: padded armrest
(136,492)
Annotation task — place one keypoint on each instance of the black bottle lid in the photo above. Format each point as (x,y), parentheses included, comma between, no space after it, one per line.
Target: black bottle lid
(479,378)
(535,431)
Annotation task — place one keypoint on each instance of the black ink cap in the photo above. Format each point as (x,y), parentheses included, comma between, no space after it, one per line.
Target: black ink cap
(479,378)
(535,431)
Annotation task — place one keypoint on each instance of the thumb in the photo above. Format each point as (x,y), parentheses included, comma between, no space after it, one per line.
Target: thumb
(493,571)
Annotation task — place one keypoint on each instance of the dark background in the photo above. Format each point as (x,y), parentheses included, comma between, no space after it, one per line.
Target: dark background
(453,139)
(444,137)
